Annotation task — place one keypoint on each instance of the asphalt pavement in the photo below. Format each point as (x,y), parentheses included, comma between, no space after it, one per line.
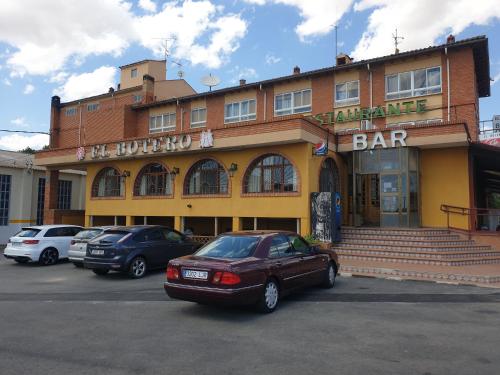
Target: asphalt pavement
(65,320)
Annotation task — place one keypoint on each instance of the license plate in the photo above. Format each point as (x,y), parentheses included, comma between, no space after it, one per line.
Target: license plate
(97,252)
(192,274)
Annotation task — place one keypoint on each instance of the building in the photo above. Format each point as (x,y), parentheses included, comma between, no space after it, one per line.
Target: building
(397,137)
(22,192)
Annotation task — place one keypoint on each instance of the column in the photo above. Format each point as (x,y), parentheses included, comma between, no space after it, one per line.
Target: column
(178,223)
(88,220)
(254,223)
(236,224)
(51,192)
(305,226)
(216,226)
(128,220)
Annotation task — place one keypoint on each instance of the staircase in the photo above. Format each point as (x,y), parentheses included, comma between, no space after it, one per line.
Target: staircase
(422,253)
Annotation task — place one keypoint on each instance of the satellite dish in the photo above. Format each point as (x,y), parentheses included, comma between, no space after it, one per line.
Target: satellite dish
(210,81)
(180,74)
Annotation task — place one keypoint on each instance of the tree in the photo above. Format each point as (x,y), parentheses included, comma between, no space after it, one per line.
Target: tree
(27,150)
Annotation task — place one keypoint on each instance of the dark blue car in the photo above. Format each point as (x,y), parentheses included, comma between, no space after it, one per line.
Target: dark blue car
(136,249)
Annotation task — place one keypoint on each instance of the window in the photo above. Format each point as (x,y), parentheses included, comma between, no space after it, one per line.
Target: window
(4,199)
(92,107)
(162,123)
(41,201)
(229,246)
(172,235)
(62,232)
(271,174)
(153,180)
(137,98)
(414,83)
(347,93)
(280,247)
(70,111)
(293,102)
(198,117)
(133,73)
(108,183)
(299,245)
(206,177)
(419,122)
(64,195)
(240,111)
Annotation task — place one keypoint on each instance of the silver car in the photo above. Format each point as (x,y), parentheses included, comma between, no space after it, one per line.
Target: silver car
(78,246)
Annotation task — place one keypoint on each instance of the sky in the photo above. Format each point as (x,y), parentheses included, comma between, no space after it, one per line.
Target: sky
(73,48)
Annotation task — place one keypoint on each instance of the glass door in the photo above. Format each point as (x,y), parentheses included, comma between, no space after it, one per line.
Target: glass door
(390,199)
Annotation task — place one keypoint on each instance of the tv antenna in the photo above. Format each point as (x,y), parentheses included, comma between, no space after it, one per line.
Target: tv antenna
(210,81)
(166,50)
(180,72)
(396,41)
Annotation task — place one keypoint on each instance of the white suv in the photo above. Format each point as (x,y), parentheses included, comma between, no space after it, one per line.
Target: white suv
(45,244)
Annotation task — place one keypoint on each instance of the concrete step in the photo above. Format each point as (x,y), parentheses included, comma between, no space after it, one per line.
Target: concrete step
(423,254)
(425,241)
(396,231)
(409,247)
(410,259)
(397,237)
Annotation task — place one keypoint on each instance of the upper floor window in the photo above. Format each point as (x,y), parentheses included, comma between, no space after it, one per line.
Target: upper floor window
(271,174)
(137,98)
(162,123)
(70,111)
(239,111)
(133,73)
(92,107)
(198,117)
(108,183)
(347,93)
(293,102)
(206,177)
(414,83)
(64,195)
(153,180)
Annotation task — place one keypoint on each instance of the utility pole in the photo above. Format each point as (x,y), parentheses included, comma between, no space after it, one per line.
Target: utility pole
(336,46)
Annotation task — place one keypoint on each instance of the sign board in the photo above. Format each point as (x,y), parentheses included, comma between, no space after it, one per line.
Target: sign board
(324,226)
(360,140)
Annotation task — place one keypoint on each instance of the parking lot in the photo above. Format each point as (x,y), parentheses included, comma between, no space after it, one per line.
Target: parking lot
(61,319)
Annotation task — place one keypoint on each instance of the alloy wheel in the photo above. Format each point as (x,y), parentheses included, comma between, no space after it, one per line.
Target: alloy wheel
(271,295)
(138,267)
(49,257)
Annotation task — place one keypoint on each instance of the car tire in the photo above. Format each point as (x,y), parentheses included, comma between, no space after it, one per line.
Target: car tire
(137,268)
(78,264)
(49,257)
(330,276)
(21,260)
(269,298)
(100,272)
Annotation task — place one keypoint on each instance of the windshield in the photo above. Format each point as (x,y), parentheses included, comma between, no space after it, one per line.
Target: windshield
(88,234)
(229,247)
(28,232)
(110,236)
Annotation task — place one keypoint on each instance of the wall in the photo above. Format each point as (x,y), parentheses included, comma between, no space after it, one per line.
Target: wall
(444,179)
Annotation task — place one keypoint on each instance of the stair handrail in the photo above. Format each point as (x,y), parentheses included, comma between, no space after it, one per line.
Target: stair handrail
(468,211)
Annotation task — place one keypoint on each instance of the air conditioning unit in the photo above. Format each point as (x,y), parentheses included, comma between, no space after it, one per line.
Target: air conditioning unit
(366,125)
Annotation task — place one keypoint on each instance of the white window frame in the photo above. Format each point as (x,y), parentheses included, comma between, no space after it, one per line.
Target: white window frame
(198,124)
(347,101)
(137,98)
(413,92)
(70,111)
(417,122)
(92,107)
(293,109)
(133,73)
(247,117)
(165,119)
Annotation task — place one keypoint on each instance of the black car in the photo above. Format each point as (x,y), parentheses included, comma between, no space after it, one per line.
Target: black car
(135,249)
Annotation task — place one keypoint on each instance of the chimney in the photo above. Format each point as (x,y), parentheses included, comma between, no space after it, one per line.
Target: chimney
(148,88)
(343,59)
(111,90)
(243,82)
(450,39)
(118,87)
(296,70)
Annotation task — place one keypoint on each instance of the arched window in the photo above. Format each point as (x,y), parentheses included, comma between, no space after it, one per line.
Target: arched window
(206,177)
(329,176)
(108,183)
(153,180)
(271,174)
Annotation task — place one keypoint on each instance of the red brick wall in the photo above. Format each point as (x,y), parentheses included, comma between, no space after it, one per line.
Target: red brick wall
(322,93)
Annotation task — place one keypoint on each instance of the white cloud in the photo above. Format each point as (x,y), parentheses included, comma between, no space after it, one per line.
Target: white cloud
(496,79)
(56,34)
(16,142)
(87,84)
(242,73)
(319,16)
(421,22)
(28,89)
(271,59)
(6,82)
(19,122)
(147,5)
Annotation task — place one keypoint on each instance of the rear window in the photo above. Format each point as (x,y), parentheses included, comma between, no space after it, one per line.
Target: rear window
(28,232)
(88,234)
(230,247)
(111,236)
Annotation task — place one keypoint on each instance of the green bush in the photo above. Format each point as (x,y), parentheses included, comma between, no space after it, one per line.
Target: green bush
(311,239)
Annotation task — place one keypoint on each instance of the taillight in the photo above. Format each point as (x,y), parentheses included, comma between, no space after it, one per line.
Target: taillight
(30,242)
(226,278)
(73,242)
(172,273)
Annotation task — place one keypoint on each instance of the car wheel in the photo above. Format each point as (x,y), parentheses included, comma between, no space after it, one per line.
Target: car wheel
(78,264)
(330,276)
(270,297)
(100,272)
(21,260)
(49,257)
(137,268)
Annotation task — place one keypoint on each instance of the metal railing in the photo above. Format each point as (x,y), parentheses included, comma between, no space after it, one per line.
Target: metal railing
(202,239)
(478,219)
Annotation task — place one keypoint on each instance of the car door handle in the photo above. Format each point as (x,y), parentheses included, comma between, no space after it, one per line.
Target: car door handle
(277,264)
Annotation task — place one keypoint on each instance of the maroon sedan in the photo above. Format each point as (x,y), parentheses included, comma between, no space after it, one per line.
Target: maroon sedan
(254,267)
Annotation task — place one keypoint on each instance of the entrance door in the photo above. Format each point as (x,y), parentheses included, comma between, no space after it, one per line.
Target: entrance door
(390,202)
(367,199)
